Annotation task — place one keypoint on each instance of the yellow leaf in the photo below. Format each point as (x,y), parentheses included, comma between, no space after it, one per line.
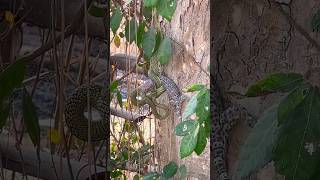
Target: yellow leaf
(117,41)
(54,136)
(126,104)
(9,17)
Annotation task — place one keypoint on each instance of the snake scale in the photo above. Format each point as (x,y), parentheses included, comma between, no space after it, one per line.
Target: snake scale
(223,119)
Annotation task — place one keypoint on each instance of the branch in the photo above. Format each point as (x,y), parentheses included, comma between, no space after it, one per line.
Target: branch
(11,160)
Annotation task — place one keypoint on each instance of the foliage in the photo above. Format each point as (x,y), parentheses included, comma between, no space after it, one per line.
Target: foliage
(31,119)
(169,171)
(195,132)
(10,78)
(257,150)
(295,138)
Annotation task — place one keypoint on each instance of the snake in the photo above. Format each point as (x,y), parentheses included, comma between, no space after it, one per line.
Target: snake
(156,84)
(223,120)
(76,106)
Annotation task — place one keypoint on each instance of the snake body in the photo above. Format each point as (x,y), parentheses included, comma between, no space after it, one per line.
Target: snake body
(162,80)
(74,113)
(223,119)
(174,94)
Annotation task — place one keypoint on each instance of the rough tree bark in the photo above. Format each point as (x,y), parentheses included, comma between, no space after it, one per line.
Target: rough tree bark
(259,39)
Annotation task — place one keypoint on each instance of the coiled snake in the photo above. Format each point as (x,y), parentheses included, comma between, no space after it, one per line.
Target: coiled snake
(75,108)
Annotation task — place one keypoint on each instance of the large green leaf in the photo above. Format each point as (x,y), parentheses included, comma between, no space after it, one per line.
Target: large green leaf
(170,169)
(166,8)
(188,143)
(184,127)
(11,78)
(31,119)
(115,20)
(149,42)
(202,140)
(164,52)
(296,154)
(290,102)
(131,30)
(257,150)
(203,104)
(279,82)
(190,108)
(141,31)
(150,3)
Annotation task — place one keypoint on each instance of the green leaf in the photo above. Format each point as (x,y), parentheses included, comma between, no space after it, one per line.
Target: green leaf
(31,119)
(115,20)
(203,105)
(188,143)
(151,176)
(166,8)
(11,78)
(136,177)
(119,98)
(164,52)
(296,154)
(257,150)
(114,85)
(147,13)
(315,22)
(131,30)
(182,172)
(195,87)
(116,173)
(150,3)
(184,127)
(289,104)
(202,140)
(4,113)
(96,10)
(170,169)
(190,108)
(279,82)
(140,33)
(149,42)
(158,41)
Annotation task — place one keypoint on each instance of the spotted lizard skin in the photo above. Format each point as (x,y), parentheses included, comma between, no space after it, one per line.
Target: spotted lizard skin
(223,119)
(174,94)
